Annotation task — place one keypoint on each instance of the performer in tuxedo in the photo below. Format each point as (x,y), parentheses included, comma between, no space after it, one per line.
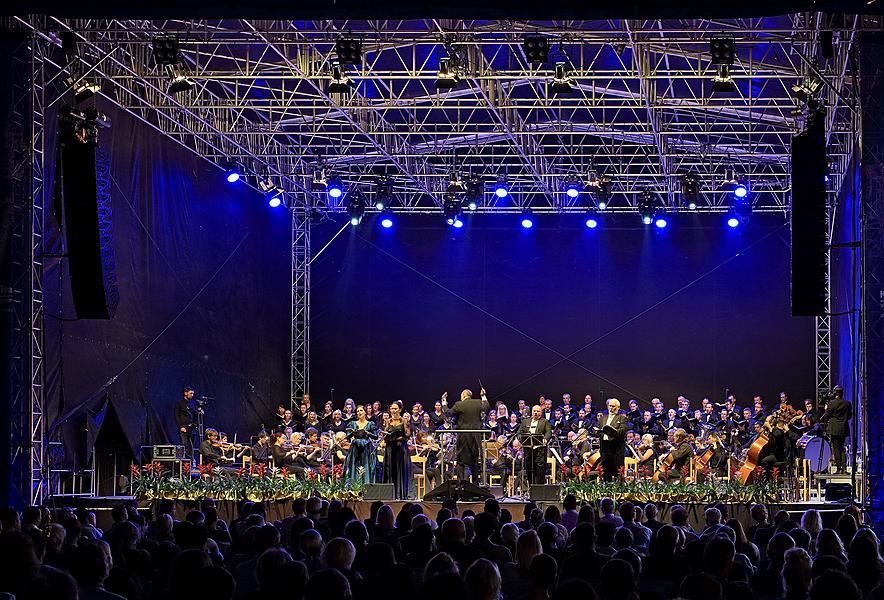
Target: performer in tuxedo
(535,458)
(467,413)
(613,439)
(184,422)
(836,419)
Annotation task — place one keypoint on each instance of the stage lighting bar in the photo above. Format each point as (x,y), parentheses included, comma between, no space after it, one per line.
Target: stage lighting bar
(646,207)
(178,81)
(451,208)
(355,207)
(85,90)
(604,192)
(536,48)
(722,82)
(690,190)
(349,51)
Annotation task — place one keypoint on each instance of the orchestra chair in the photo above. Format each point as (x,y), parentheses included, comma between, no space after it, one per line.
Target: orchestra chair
(551,463)
(246,460)
(420,477)
(631,465)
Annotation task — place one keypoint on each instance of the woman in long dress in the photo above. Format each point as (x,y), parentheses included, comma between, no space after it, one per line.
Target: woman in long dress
(397,462)
(361,432)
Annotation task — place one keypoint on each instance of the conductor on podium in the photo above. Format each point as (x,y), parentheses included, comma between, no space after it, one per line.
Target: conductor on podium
(468,415)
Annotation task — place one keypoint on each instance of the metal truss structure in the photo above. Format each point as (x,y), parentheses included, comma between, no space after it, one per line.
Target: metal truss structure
(28,427)
(641,112)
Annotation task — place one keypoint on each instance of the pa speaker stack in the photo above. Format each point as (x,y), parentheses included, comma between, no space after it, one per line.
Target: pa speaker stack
(85,186)
(809,169)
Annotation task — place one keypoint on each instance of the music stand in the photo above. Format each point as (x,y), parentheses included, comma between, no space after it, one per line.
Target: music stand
(532,441)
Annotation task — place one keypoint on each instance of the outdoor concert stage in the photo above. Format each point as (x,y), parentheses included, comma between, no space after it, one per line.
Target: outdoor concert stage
(102,505)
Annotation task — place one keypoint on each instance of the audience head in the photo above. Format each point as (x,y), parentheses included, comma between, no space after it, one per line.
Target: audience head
(483,580)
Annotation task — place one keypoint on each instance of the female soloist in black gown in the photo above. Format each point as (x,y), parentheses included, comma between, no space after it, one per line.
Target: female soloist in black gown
(397,462)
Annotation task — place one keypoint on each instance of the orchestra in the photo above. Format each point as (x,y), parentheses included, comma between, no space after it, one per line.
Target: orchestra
(377,443)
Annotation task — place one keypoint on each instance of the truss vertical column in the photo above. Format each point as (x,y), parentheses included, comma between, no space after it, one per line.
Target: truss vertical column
(824,323)
(300,348)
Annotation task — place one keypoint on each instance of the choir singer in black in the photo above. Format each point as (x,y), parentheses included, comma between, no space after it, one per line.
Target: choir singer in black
(534,459)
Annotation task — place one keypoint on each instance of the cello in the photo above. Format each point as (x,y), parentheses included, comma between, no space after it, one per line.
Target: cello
(753,457)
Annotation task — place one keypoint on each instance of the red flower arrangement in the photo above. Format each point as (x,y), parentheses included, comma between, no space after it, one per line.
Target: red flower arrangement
(576,471)
(240,472)
(185,466)
(251,469)
(601,471)
(775,473)
(158,467)
(205,469)
(322,470)
(311,475)
(134,468)
(149,468)
(284,472)
(684,471)
(621,472)
(338,471)
(262,469)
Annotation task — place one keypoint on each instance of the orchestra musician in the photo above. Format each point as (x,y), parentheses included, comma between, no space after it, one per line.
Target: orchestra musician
(261,449)
(210,449)
(184,422)
(313,449)
(646,453)
(535,458)
(283,456)
(613,428)
(428,448)
(468,415)
(502,464)
(679,455)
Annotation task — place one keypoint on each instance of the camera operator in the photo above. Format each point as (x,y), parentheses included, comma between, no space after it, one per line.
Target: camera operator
(836,419)
(184,421)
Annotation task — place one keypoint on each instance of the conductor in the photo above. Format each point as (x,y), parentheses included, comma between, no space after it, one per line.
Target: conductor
(467,413)
(613,439)
(534,459)
(836,418)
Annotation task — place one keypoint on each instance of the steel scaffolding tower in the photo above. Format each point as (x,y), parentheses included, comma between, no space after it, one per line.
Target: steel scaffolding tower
(300,342)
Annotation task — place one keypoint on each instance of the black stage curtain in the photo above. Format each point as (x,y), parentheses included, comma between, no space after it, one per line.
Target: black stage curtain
(203,269)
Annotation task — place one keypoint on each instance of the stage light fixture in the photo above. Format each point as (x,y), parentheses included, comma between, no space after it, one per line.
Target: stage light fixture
(561,83)
(349,51)
(451,207)
(340,82)
(447,77)
(473,195)
(733,222)
(501,187)
(661,221)
(85,90)
(741,190)
(592,222)
(165,50)
(722,82)
(458,223)
(604,192)
(723,50)
(527,220)
(334,187)
(274,197)
(742,208)
(536,48)
(806,91)
(355,207)
(690,190)
(573,186)
(387,220)
(232,171)
(383,194)
(178,81)
(646,207)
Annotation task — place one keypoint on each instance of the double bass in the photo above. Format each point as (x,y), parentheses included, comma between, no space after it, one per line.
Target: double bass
(753,457)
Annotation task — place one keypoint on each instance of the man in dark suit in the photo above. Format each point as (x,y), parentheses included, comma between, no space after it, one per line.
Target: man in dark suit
(535,458)
(837,418)
(467,414)
(184,422)
(613,439)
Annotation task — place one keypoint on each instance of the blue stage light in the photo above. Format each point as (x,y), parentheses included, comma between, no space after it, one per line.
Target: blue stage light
(572,192)
(646,219)
(733,222)
(501,189)
(335,187)
(661,222)
(603,204)
(573,186)
(458,223)
(386,222)
(592,222)
(527,220)
(274,197)
(741,191)
(232,176)
(232,171)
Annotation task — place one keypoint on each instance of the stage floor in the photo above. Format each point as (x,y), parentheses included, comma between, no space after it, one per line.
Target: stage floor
(276,511)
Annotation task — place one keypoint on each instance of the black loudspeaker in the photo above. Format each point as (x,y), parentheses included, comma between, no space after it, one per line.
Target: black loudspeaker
(85,188)
(378,491)
(459,490)
(545,493)
(809,218)
(839,492)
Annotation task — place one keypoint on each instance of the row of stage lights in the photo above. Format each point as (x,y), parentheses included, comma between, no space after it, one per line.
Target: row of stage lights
(460,196)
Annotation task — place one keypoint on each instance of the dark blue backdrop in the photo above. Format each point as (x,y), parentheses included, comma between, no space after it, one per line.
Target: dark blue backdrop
(634,312)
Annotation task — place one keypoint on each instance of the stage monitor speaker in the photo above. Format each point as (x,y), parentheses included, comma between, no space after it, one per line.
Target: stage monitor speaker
(545,493)
(459,490)
(378,491)
(809,168)
(85,188)
(838,492)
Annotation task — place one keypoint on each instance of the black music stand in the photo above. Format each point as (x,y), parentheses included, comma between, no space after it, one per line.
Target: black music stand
(532,441)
